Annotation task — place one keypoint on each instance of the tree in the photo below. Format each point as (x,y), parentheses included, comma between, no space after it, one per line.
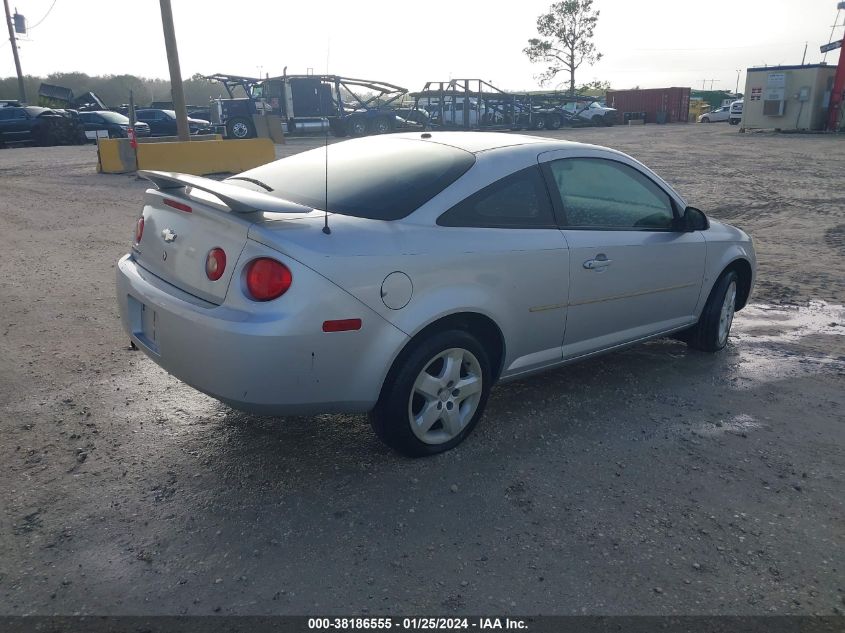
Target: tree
(567,39)
(596,85)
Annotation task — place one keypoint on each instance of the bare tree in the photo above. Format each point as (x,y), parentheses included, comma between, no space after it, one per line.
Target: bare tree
(567,39)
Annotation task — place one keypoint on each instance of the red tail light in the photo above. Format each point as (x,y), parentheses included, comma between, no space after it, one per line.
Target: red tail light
(215,263)
(178,205)
(139,229)
(267,279)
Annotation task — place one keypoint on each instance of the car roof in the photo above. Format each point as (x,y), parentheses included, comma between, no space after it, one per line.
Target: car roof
(484,141)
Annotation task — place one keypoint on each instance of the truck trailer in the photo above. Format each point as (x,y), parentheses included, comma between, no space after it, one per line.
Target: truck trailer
(308,103)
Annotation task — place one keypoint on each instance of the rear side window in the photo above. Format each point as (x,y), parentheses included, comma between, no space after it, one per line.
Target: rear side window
(519,200)
(375,178)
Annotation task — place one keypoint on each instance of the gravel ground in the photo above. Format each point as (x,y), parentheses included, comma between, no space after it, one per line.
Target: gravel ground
(652,481)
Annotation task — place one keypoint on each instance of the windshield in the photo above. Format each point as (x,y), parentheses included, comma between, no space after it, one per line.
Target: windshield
(115,117)
(379,179)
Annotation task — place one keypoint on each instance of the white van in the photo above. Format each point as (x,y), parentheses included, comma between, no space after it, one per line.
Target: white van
(736,112)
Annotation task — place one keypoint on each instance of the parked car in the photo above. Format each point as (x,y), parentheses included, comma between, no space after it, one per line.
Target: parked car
(736,112)
(42,126)
(436,265)
(199,112)
(716,116)
(163,122)
(451,112)
(104,123)
(594,112)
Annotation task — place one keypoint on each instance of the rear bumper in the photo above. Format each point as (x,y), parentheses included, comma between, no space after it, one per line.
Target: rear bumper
(274,362)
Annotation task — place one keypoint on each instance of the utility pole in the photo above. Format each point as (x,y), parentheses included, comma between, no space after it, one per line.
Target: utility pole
(736,90)
(176,90)
(804,56)
(14,43)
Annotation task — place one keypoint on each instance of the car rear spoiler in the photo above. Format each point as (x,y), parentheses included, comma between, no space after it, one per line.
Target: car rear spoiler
(238,199)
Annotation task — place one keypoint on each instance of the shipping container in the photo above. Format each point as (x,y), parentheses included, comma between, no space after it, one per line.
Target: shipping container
(661,105)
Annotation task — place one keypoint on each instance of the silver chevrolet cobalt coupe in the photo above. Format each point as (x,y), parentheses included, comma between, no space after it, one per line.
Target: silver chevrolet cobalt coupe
(404,275)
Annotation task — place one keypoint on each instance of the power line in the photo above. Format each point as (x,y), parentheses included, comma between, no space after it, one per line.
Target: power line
(720,48)
(29,28)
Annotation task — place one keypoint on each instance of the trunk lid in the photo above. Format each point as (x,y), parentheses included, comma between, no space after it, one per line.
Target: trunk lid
(187,217)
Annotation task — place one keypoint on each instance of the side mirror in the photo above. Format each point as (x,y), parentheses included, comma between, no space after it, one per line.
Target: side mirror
(693,220)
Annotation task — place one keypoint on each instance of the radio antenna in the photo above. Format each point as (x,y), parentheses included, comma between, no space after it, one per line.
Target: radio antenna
(326,228)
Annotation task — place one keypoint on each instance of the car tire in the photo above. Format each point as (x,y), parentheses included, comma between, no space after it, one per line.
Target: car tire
(554,122)
(711,332)
(239,128)
(538,123)
(382,125)
(705,120)
(357,126)
(420,411)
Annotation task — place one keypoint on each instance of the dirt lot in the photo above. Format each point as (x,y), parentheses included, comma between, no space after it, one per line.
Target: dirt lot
(652,481)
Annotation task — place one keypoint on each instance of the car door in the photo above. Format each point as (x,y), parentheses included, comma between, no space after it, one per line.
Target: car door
(6,123)
(504,239)
(633,274)
(146,117)
(16,124)
(94,125)
(154,119)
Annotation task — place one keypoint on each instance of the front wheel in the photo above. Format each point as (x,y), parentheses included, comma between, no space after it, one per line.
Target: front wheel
(553,122)
(239,128)
(356,126)
(711,332)
(434,395)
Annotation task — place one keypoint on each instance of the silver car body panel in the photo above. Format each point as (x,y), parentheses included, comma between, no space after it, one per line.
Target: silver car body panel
(255,356)
(531,283)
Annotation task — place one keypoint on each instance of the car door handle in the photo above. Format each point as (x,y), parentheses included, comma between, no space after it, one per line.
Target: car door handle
(599,263)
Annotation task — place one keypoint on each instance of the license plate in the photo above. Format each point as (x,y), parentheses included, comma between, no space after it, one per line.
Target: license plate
(143,322)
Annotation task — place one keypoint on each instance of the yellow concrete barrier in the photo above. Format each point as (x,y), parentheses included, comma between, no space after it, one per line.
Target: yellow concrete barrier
(192,157)
(115,156)
(207,157)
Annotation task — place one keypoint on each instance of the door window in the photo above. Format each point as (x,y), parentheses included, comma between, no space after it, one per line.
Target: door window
(604,194)
(516,201)
(11,114)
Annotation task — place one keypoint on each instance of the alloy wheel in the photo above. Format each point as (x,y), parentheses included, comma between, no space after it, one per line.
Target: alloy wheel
(726,315)
(445,396)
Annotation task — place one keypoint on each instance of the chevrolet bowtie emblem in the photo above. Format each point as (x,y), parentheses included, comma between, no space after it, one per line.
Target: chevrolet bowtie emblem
(168,235)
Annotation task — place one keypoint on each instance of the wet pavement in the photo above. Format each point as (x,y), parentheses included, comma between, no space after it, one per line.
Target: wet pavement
(655,480)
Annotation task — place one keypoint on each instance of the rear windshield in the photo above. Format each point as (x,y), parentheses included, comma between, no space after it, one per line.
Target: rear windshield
(375,178)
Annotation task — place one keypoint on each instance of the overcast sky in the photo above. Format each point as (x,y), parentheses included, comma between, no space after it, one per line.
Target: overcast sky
(646,43)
